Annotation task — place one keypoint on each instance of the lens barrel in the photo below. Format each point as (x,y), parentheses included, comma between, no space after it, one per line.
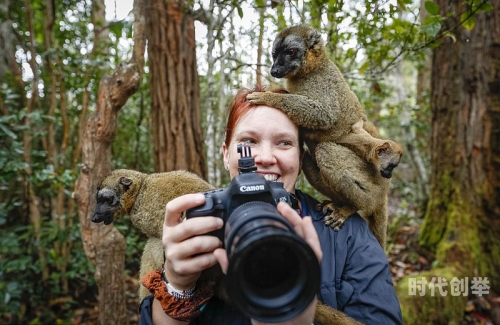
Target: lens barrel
(273,274)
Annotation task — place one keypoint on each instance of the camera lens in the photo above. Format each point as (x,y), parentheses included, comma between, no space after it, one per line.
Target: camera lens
(270,271)
(273,274)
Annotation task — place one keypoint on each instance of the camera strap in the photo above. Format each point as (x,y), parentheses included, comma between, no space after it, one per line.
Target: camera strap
(295,201)
(295,204)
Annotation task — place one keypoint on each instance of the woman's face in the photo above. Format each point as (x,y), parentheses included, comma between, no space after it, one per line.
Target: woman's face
(274,140)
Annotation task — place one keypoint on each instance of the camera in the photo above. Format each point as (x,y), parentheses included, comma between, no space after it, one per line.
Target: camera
(273,274)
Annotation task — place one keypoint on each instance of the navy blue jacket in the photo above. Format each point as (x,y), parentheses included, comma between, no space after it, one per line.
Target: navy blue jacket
(355,276)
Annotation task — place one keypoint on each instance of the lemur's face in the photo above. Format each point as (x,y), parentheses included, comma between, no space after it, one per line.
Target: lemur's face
(389,155)
(107,203)
(288,54)
(274,141)
(110,190)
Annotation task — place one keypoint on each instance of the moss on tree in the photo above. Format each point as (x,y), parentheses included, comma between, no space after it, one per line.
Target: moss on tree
(432,309)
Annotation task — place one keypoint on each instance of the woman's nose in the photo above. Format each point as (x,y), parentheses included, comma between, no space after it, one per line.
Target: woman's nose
(264,156)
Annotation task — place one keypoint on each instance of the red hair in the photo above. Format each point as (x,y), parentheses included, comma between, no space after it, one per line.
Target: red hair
(240,106)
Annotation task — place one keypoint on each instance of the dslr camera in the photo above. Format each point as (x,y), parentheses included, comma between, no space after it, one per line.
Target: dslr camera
(273,274)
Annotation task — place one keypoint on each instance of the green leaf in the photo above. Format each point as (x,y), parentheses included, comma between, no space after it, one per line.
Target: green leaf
(240,12)
(8,132)
(431,7)
(431,26)
(485,7)
(260,3)
(402,4)
(469,22)
(364,67)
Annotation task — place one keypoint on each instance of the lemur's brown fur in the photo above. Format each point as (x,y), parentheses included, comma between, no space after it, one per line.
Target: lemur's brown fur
(351,169)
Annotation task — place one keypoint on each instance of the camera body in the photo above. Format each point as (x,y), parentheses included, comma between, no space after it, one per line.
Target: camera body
(244,188)
(273,274)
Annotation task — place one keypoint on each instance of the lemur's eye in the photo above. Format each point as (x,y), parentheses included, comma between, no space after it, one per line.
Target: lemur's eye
(292,52)
(273,55)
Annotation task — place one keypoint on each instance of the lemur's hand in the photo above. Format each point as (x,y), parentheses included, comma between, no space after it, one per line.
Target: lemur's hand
(260,98)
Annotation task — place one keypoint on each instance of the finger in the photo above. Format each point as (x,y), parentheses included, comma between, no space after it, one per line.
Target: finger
(194,265)
(289,213)
(221,256)
(291,216)
(175,207)
(193,247)
(191,227)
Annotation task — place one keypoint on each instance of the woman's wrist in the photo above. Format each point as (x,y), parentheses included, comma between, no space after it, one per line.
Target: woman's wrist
(179,308)
(174,291)
(180,283)
(181,294)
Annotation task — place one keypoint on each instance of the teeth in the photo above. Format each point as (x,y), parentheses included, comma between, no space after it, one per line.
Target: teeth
(271,178)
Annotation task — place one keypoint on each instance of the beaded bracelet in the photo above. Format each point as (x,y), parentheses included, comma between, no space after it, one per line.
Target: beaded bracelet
(182,309)
(181,294)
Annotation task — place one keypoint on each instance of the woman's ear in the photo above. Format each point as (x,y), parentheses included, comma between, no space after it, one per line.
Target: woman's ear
(225,153)
(301,156)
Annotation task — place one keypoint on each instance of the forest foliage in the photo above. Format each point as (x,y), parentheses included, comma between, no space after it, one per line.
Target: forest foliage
(50,69)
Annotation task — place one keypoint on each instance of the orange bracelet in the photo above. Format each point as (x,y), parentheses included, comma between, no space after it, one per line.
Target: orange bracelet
(179,309)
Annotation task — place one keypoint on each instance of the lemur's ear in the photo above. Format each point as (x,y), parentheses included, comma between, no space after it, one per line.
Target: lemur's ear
(382,149)
(313,40)
(125,182)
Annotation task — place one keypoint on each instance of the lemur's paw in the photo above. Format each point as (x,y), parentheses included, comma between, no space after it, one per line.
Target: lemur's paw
(334,217)
(334,221)
(257,98)
(326,207)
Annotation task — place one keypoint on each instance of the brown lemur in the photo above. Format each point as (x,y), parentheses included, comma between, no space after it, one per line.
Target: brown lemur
(352,170)
(143,197)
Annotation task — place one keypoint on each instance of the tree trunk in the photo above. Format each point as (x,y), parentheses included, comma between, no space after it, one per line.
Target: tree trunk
(56,153)
(177,133)
(100,47)
(463,216)
(261,9)
(104,245)
(33,201)
(209,106)
(408,131)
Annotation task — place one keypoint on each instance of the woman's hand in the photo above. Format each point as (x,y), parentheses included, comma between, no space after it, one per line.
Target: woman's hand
(188,251)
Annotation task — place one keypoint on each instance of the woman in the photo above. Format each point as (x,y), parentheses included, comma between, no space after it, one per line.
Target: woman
(355,272)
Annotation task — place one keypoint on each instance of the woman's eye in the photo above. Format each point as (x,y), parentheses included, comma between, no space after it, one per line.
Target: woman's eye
(247,141)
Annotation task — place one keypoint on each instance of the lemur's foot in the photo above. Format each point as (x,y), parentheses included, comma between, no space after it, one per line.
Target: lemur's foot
(334,217)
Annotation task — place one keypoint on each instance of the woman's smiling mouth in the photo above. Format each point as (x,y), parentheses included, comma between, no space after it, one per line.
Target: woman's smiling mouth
(270,177)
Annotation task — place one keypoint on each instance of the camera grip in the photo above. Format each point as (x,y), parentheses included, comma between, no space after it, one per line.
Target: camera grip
(206,209)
